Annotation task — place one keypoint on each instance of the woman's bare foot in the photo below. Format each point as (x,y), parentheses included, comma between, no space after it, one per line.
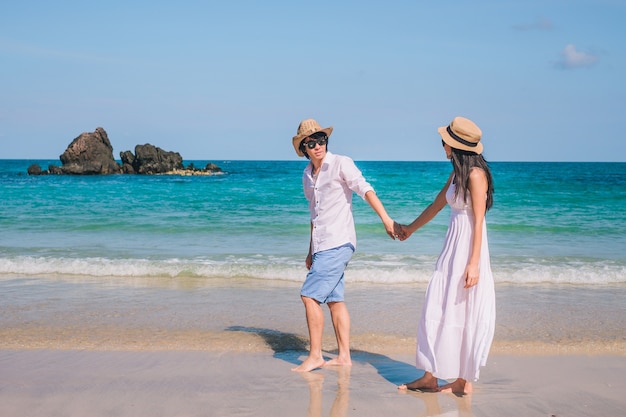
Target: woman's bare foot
(309,364)
(458,387)
(426,383)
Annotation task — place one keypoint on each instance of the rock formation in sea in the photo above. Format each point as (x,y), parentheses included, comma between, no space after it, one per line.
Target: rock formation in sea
(88,154)
(149,159)
(91,153)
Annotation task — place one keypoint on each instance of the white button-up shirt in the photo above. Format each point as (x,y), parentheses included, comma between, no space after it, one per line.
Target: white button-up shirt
(330,201)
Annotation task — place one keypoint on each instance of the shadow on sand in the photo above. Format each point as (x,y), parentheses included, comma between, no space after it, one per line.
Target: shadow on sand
(286,346)
(290,347)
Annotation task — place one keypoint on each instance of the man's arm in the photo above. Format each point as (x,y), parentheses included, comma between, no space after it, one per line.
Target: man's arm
(375,203)
(309,258)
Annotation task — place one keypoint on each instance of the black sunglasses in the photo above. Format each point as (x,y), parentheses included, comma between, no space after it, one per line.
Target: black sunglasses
(321,140)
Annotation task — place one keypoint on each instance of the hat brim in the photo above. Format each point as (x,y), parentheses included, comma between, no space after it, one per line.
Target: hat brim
(298,138)
(445,136)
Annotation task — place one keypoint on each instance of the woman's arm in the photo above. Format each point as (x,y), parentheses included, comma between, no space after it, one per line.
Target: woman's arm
(478,191)
(429,212)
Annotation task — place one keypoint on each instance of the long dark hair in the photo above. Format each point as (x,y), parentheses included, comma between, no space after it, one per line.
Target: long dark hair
(463,162)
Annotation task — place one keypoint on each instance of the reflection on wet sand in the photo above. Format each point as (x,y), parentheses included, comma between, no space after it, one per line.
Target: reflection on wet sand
(315,381)
(433,408)
(434,404)
(289,347)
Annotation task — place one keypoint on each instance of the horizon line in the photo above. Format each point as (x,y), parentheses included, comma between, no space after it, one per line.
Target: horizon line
(358,160)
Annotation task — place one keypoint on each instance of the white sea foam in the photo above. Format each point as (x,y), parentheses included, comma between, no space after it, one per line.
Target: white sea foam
(381,270)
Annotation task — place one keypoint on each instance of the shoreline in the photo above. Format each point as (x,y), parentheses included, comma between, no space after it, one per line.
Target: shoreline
(255,340)
(234,315)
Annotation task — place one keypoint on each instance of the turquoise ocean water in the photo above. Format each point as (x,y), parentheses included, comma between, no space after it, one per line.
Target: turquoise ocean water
(562,223)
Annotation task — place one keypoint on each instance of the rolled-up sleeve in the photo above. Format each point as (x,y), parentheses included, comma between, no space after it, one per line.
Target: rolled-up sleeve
(354,178)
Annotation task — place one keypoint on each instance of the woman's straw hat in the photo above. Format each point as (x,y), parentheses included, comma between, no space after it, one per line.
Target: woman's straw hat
(462,134)
(307,128)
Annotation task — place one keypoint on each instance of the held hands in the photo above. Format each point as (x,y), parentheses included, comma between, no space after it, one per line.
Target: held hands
(400,231)
(396,230)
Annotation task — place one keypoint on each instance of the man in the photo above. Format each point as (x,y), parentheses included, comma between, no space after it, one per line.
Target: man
(329,182)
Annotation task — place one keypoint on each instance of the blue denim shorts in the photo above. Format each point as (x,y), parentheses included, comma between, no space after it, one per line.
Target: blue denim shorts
(324,282)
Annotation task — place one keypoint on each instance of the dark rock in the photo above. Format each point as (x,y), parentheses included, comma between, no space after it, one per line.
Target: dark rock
(149,159)
(35,169)
(90,154)
(55,170)
(128,159)
(128,169)
(211,167)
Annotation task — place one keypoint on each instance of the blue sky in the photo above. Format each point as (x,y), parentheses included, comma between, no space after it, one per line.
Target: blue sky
(218,80)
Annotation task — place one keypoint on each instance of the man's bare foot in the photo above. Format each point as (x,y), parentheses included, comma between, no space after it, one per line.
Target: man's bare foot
(309,364)
(426,383)
(458,387)
(339,362)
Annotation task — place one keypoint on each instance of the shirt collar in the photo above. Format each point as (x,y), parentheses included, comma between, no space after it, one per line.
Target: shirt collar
(327,160)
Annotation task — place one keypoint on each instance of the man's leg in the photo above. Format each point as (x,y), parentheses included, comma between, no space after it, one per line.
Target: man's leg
(315,322)
(341,323)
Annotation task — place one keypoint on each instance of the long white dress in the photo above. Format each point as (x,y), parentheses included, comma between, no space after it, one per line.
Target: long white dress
(457,325)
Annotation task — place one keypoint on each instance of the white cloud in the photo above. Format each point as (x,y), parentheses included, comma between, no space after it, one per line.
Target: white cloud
(571,58)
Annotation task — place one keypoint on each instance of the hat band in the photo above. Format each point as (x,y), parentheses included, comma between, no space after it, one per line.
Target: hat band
(459,139)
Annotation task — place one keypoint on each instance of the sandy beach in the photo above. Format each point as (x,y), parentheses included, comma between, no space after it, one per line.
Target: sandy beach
(77,347)
(176,383)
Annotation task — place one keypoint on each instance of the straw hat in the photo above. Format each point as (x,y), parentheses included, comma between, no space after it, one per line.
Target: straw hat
(462,134)
(307,128)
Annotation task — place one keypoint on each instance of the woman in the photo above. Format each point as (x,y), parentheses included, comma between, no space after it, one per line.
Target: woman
(458,317)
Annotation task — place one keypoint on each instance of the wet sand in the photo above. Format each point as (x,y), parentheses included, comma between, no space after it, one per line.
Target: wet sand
(162,347)
(226,315)
(96,383)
